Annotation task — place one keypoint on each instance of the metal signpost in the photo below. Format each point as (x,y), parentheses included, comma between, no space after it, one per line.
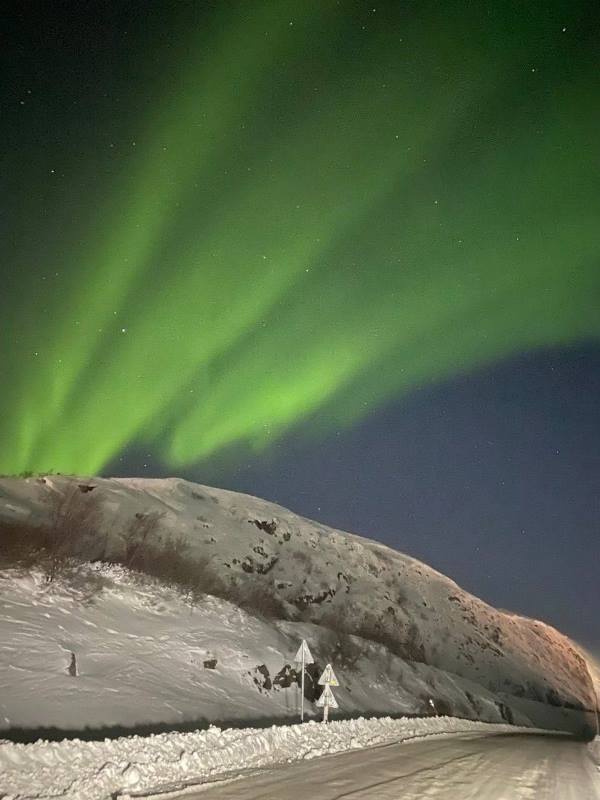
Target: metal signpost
(327,699)
(303,657)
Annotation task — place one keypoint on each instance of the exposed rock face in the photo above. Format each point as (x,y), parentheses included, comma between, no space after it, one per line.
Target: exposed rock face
(353,586)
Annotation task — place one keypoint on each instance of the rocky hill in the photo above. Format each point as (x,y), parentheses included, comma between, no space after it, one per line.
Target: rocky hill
(403,637)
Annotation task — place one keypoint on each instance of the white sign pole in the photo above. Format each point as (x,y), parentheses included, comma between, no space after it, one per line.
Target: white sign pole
(302,691)
(325,711)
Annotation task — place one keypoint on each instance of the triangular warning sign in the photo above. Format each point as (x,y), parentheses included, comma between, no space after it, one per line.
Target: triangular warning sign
(328,677)
(308,659)
(328,698)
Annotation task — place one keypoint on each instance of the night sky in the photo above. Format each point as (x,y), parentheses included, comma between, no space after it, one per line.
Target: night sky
(341,255)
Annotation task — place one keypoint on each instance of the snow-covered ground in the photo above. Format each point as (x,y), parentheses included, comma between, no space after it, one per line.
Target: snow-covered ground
(135,766)
(142,655)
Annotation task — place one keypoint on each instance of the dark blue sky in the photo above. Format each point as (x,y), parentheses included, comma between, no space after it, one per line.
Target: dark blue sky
(492,478)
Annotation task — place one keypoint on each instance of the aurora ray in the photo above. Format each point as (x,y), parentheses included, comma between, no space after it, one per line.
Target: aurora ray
(324,208)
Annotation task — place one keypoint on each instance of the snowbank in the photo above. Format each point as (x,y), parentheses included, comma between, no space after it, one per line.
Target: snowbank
(137,765)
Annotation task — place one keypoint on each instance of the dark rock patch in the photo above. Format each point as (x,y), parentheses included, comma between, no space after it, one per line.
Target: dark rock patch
(266,684)
(72,668)
(306,600)
(265,525)
(262,569)
(286,677)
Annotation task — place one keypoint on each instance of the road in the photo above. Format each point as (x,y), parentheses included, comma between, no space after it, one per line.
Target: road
(465,767)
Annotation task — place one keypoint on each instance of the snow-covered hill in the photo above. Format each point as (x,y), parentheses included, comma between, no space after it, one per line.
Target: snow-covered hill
(143,654)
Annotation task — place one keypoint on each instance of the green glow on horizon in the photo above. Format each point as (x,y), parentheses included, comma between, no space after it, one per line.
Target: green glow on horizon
(290,243)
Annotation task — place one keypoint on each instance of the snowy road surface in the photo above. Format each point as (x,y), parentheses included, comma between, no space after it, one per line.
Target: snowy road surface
(465,767)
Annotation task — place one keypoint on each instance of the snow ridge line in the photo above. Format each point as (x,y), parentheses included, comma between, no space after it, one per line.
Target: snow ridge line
(137,766)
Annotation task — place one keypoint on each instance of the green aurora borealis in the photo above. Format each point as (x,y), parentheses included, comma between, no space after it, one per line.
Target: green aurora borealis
(295,213)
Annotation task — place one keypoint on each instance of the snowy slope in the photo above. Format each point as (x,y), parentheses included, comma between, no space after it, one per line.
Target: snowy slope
(142,646)
(144,655)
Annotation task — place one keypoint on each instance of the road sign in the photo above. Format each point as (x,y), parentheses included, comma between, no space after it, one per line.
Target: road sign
(327,698)
(304,656)
(327,701)
(328,677)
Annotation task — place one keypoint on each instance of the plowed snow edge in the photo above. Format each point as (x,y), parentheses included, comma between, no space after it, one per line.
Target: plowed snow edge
(138,766)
